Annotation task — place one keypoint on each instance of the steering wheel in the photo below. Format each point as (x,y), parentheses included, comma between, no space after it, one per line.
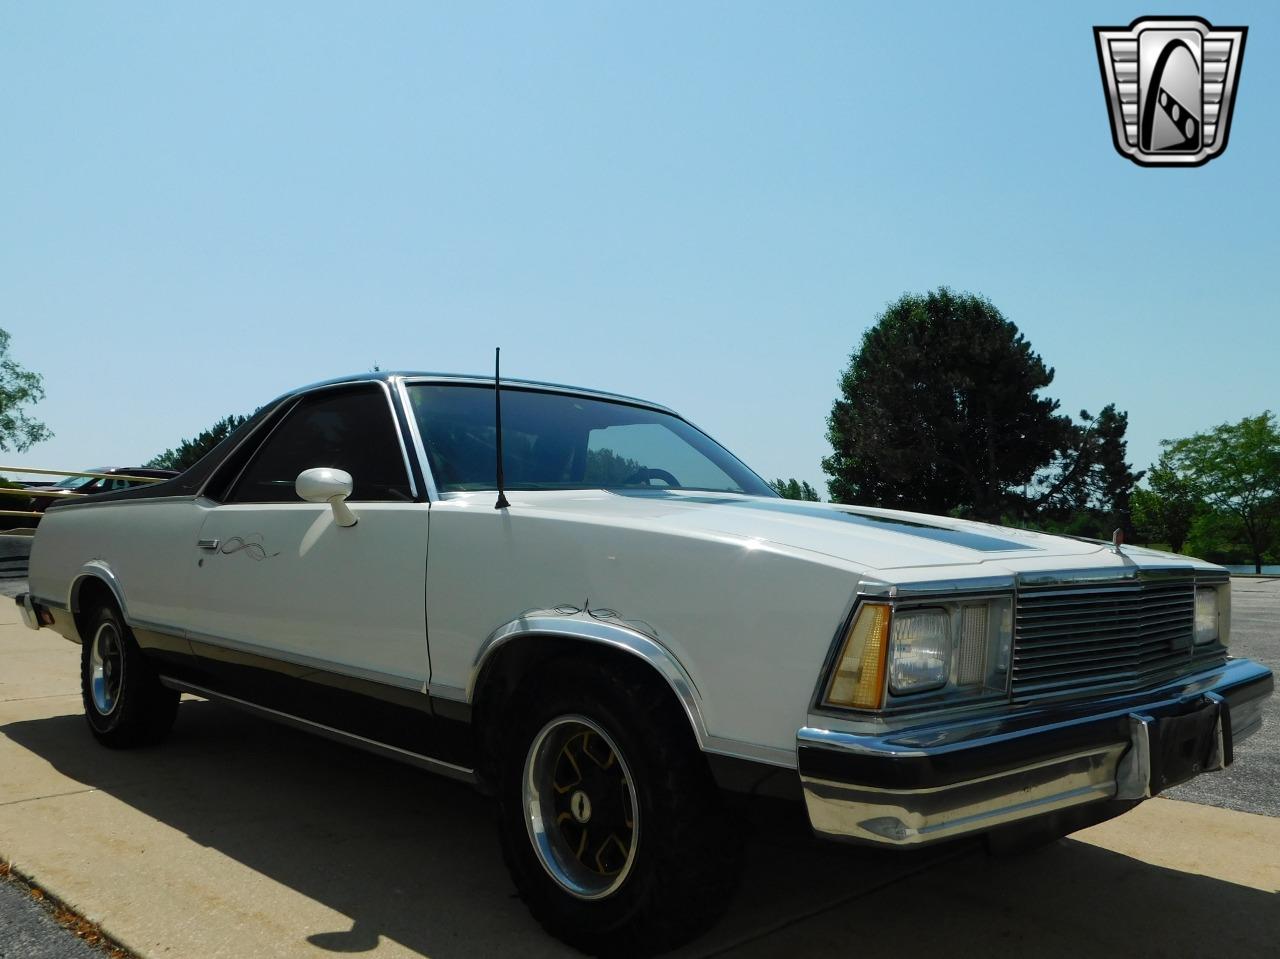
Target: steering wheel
(646,473)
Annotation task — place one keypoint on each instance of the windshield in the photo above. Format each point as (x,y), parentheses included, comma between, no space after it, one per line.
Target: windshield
(558,441)
(73,482)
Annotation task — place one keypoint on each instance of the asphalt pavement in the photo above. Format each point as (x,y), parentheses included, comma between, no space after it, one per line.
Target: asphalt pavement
(28,931)
(1252,784)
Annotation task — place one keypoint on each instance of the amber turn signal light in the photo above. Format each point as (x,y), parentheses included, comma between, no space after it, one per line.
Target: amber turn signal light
(857,682)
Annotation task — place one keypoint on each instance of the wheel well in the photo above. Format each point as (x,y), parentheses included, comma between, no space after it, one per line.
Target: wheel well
(91,593)
(505,671)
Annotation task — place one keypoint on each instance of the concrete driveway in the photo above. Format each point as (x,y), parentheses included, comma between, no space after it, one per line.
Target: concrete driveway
(240,838)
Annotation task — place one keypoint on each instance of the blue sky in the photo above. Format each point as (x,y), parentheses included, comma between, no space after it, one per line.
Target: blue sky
(704,204)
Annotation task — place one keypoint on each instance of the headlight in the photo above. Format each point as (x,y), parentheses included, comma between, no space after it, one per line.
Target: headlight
(915,655)
(921,650)
(1210,618)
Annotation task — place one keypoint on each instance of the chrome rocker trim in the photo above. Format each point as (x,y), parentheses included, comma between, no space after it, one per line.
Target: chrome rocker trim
(439,766)
(931,783)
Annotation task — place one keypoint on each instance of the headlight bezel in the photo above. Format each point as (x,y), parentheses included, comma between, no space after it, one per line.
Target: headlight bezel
(1221,631)
(955,690)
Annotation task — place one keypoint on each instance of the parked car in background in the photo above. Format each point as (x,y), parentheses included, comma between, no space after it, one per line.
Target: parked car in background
(635,624)
(115,478)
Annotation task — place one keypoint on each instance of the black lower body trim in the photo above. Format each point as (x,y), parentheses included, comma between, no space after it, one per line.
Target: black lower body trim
(451,770)
(363,711)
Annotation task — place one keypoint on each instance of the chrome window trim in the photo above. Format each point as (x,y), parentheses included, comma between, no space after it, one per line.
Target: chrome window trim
(87,504)
(277,416)
(283,418)
(529,386)
(404,450)
(445,379)
(415,436)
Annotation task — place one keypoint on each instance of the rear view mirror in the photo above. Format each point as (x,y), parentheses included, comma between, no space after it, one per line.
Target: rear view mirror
(323,484)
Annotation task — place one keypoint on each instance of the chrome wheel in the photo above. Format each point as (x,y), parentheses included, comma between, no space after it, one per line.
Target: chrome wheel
(106,662)
(580,807)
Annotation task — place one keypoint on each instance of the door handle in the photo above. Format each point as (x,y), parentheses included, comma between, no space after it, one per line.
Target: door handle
(209,544)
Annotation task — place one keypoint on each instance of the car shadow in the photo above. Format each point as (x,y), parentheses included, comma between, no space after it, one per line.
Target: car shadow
(1067,900)
(414,858)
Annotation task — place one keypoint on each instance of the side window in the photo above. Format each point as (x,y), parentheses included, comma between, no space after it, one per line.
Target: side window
(349,430)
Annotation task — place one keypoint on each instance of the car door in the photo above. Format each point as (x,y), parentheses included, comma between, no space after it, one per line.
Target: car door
(278,581)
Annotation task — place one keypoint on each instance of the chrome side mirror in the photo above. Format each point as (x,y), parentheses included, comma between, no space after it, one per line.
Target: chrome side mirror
(323,484)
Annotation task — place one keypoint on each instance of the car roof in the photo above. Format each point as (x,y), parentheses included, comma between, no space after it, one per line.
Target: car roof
(386,376)
(132,470)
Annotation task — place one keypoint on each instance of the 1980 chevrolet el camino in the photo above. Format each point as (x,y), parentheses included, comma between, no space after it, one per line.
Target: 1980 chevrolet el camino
(644,626)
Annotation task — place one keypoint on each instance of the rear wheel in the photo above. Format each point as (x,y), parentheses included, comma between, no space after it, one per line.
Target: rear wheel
(611,824)
(124,701)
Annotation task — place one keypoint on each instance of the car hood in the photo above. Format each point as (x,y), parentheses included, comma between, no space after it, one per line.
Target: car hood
(875,538)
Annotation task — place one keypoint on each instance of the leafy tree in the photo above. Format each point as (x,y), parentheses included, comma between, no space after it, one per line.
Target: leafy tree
(608,468)
(1217,536)
(1165,510)
(794,489)
(1089,484)
(1235,469)
(940,410)
(19,388)
(190,451)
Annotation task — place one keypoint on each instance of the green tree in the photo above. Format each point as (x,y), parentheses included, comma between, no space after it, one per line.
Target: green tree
(19,389)
(190,451)
(940,410)
(608,468)
(1165,510)
(1089,484)
(1235,469)
(794,489)
(1217,536)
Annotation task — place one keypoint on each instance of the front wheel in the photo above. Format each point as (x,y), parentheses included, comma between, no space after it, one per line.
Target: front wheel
(124,701)
(611,824)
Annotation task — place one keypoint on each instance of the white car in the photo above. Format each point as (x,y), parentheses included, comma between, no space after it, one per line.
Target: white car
(631,626)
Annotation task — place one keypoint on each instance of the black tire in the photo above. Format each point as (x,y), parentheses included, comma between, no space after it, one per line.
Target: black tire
(683,863)
(125,705)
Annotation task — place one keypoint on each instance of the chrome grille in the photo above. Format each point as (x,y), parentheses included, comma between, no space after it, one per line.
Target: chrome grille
(1104,637)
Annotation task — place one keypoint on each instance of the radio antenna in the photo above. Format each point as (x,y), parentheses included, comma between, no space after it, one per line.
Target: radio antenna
(497,420)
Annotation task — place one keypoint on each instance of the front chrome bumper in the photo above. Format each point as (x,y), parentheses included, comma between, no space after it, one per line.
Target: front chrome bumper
(937,782)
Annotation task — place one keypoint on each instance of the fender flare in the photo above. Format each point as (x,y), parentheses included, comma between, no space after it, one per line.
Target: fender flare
(601,630)
(96,569)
